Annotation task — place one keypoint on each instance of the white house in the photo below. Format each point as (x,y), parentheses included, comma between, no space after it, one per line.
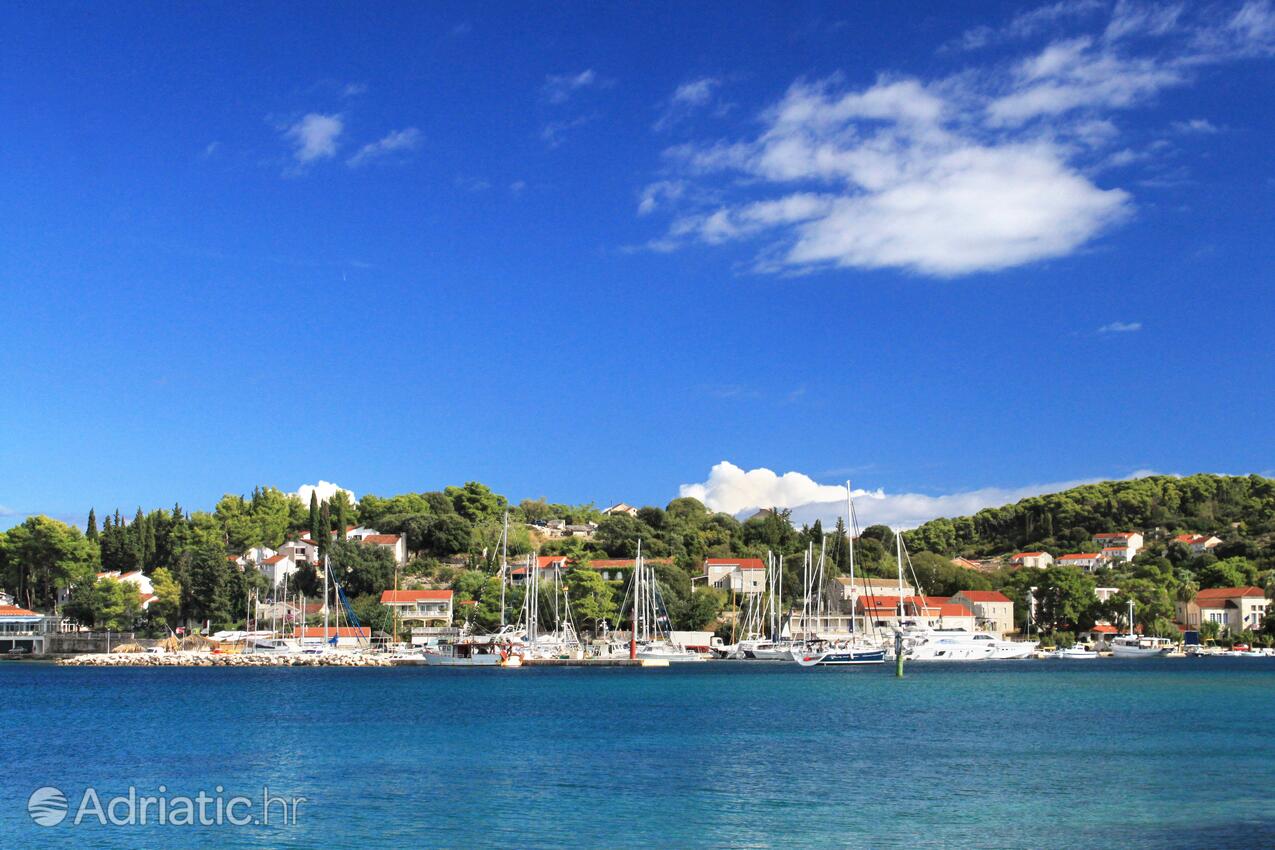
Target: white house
(993,611)
(277,567)
(546,565)
(425,611)
(1088,561)
(736,575)
(1128,542)
(1039,560)
(1198,543)
(874,587)
(302,550)
(395,543)
(882,612)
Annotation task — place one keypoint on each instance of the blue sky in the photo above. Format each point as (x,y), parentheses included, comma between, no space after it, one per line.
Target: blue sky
(589,253)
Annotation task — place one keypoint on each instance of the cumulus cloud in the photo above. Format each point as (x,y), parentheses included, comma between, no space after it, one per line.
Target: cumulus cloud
(1120,328)
(325,491)
(986,169)
(396,141)
(314,137)
(739,492)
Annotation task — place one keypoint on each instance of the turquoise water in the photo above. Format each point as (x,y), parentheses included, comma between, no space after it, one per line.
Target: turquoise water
(1155,753)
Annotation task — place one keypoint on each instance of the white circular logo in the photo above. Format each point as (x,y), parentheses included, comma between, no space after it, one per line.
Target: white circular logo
(47,806)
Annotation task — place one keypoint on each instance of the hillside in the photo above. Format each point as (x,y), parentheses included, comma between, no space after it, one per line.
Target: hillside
(1232,507)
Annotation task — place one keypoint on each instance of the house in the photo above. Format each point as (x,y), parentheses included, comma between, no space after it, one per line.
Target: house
(620,508)
(1088,561)
(396,544)
(277,568)
(303,550)
(428,610)
(970,564)
(619,569)
(1234,609)
(863,586)
(1198,543)
(993,611)
(1130,542)
(547,565)
(1039,560)
(736,575)
(939,612)
(25,630)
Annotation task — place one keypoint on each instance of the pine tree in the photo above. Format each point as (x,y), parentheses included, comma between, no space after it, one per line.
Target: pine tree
(91,531)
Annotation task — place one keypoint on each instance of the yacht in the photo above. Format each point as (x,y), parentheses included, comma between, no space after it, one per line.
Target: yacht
(838,654)
(1073,653)
(927,644)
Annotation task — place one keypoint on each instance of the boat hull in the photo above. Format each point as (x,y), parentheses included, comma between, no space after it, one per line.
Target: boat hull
(843,658)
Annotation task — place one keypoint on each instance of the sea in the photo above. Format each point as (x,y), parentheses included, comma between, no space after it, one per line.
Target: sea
(1154,753)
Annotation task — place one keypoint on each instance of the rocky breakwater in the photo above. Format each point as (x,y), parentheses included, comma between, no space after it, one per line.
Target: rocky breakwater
(207,659)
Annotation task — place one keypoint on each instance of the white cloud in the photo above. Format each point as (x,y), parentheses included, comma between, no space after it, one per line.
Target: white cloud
(733,490)
(325,490)
(315,137)
(686,99)
(987,169)
(1026,24)
(396,141)
(1196,125)
(554,133)
(901,187)
(1120,328)
(559,88)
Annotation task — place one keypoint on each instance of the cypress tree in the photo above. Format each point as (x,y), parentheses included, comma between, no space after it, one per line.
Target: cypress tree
(91,531)
(314,516)
(325,524)
(340,518)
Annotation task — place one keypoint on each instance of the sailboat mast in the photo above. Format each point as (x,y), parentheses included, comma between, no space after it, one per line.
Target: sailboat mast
(325,599)
(850,544)
(504,566)
(898,554)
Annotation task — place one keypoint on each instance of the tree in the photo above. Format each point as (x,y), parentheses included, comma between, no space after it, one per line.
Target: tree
(166,606)
(361,568)
(448,534)
(43,556)
(105,603)
(592,598)
(1063,596)
(938,576)
(209,582)
(703,608)
(315,528)
(476,503)
(1210,630)
(1232,572)
(91,531)
(341,503)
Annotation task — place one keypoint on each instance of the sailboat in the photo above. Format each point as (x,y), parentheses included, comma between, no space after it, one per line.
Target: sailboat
(650,618)
(856,650)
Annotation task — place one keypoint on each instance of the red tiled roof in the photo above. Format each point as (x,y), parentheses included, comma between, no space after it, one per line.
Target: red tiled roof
(274,559)
(1015,557)
(742,563)
(382,539)
(1223,593)
(984,596)
(623,563)
(1112,535)
(15,611)
(546,561)
(234,559)
(334,631)
(404,596)
(1080,556)
(1104,629)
